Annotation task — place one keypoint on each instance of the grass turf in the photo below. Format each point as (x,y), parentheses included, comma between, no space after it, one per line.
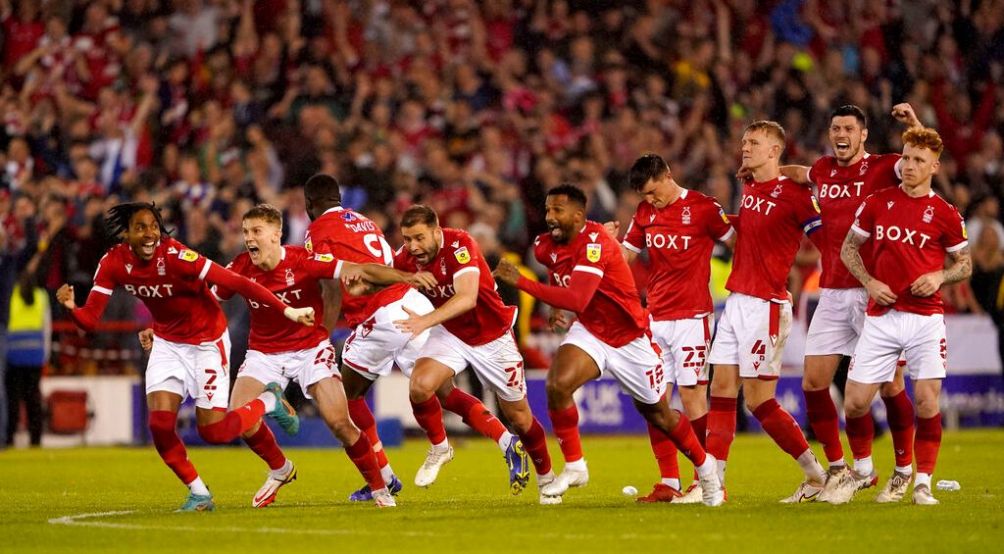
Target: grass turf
(469,509)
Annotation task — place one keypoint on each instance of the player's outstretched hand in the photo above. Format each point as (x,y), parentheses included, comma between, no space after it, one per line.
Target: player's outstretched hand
(422,280)
(303,316)
(506,272)
(904,114)
(355,285)
(146,339)
(65,297)
(880,292)
(927,284)
(612,228)
(415,323)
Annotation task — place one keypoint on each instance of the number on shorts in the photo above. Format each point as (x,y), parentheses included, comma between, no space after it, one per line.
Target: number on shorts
(759,349)
(654,377)
(695,356)
(325,357)
(378,246)
(515,376)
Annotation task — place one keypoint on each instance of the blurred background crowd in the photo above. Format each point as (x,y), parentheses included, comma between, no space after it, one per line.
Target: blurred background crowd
(207,107)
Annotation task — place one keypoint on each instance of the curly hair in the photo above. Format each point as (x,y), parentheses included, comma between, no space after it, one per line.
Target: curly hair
(924,138)
(118,217)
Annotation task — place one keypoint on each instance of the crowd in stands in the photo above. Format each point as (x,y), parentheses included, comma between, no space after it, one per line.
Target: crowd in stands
(476,108)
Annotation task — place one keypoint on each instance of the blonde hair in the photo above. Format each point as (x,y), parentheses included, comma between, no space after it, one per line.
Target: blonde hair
(770,128)
(923,137)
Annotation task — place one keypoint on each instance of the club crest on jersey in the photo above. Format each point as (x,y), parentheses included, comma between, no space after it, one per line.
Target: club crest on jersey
(928,214)
(462,255)
(442,266)
(863,169)
(289,277)
(777,191)
(593,251)
(161,267)
(686,215)
(129,267)
(188,255)
(326,258)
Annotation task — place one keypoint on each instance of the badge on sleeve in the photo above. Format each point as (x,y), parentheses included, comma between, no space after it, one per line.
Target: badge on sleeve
(462,255)
(188,255)
(309,245)
(326,258)
(815,203)
(593,251)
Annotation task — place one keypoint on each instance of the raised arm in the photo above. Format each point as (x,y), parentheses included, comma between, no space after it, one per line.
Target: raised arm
(575,297)
(216,274)
(87,316)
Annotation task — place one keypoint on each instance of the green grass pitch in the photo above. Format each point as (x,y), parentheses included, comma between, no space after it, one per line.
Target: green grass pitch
(469,509)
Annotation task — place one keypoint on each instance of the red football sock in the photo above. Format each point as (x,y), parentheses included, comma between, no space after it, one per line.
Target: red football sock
(860,434)
(781,427)
(262,443)
(474,414)
(721,426)
(686,441)
(899,412)
(928,443)
(665,453)
(535,443)
(700,426)
(566,428)
(361,415)
(233,424)
(361,454)
(825,425)
(429,415)
(169,446)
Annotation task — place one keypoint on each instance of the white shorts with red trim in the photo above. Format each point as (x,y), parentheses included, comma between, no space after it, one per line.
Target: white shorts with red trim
(197,371)
(837,322)
(377,344)
(306,367)
(751,334)
(685,344)
(918,338)
(497,364)
(636,366)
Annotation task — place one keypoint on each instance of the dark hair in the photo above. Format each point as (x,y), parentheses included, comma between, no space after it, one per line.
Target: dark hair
(649,166)
(267,212)
(573,193)
(419,213)
(118,217)
(852,110)
(323,187)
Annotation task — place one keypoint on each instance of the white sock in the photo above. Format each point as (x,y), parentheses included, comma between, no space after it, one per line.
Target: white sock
(504,440)
(814,472)
(545,477)
(443,445)
(905,470)
(838,463)
(200,488)
(577,465)
(269,400)
(864,466)
(387,473)
(671,483)
(282,471)
(922,479)
(721,471)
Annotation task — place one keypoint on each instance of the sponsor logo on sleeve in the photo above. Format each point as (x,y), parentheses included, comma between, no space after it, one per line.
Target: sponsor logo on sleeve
(326,258)
(462,255)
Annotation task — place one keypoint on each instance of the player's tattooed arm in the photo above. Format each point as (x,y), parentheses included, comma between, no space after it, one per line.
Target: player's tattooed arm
(961,268)
(850,254)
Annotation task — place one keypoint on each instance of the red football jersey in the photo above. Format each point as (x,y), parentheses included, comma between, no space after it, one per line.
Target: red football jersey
(615,314)
(840,191)
(772,218)
(910,236)
(295,282)
(679,238)
(172,286)
(459,254)
(352,237)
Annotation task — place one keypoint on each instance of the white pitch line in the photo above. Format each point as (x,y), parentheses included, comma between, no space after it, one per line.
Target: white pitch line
(84,520)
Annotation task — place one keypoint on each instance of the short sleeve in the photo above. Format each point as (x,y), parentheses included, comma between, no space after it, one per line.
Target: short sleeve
(104,276)
(864,218)
(189,264)
(718,225)
(807,213)
(954,236)
(634,238)
(321,266)
(462,256)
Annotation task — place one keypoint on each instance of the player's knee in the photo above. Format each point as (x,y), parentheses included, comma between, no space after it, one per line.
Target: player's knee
(421,388)
(557,392)
(212,433)
(522,420)
(343,428)
(856,407)
(927,406)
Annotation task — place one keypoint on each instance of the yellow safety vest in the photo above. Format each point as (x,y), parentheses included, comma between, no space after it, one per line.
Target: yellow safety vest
(24,317)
